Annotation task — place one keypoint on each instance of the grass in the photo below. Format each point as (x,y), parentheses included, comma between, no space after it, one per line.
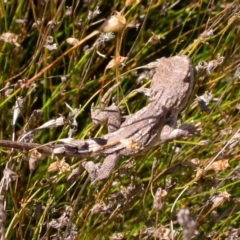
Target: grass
(38,203)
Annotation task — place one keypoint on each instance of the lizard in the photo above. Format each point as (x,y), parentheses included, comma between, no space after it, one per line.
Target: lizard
(156,123)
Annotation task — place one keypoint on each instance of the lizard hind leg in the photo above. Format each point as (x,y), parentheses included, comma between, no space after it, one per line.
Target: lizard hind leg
(99,172)
(110,114)
(107,166)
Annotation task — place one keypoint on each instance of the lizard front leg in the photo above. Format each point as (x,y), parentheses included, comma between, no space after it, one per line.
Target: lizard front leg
(170,132)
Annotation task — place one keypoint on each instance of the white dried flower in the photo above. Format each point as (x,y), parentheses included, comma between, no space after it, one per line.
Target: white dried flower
(53,123)
(49,40)
(187,223)
(10,38)
(72,41)
(17,109)
(94,13)
(51,47)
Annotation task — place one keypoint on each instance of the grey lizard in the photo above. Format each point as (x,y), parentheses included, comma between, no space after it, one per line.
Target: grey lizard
(156,123)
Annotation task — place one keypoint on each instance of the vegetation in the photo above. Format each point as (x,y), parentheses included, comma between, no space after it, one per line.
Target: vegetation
(51,71)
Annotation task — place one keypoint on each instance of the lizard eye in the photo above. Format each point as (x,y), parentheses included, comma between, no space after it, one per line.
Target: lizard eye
(187,79)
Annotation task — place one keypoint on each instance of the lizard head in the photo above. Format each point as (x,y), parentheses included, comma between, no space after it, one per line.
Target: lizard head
(173,81)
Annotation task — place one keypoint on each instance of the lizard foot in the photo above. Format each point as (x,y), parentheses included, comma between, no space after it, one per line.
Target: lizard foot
(92,169)
(98,172)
